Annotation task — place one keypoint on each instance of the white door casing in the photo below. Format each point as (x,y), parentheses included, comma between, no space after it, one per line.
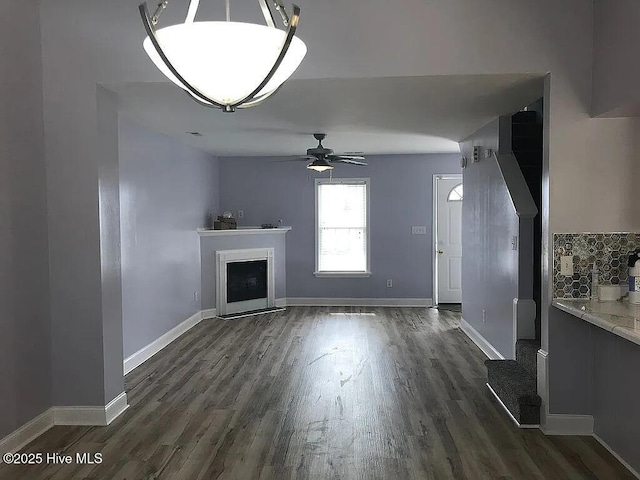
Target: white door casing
(448,239)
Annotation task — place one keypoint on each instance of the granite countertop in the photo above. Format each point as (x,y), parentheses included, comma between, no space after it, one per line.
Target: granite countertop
(618,317)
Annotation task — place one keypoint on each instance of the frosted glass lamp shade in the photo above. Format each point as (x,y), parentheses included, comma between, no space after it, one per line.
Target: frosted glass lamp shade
(320,165)
(226,61)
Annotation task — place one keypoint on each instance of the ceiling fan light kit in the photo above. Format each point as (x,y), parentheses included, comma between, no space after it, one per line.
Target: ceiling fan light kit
(320,165)
(249,63)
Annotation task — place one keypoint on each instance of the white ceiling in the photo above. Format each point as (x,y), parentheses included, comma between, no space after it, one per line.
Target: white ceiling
(399,115)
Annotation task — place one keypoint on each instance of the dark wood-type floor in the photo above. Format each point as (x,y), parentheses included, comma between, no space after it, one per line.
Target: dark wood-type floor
(318,393)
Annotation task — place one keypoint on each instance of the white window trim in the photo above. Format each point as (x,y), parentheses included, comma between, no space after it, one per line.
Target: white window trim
(353,274)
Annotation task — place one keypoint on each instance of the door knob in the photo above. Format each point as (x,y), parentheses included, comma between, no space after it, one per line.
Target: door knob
(440,252)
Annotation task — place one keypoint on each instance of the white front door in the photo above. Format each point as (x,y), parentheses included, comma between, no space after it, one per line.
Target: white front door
(448,239)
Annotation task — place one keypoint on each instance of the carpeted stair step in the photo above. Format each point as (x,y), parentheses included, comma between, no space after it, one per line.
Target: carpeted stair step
(516,388)
(527,355)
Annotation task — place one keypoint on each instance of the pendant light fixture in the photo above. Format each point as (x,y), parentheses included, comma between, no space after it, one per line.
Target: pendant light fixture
(225,65)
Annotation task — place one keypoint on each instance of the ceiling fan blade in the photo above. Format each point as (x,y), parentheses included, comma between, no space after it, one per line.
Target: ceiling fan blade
(298,158)
(351,162)
(350,157)
(346,159)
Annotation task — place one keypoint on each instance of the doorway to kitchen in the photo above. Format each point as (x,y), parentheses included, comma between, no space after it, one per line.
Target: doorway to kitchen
(447,239)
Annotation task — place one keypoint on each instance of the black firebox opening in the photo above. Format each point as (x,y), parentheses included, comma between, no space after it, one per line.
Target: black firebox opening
(246,280)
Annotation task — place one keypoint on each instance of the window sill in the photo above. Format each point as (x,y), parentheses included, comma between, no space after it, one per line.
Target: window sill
(343,274)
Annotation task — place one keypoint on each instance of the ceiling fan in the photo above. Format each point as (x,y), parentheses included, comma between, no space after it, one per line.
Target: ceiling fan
(322,157)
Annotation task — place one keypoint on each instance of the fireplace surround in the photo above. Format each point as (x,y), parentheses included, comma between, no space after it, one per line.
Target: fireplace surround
(241,278)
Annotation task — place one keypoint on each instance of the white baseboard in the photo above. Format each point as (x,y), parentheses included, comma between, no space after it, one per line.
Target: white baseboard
(154,347)
(88,416)
(559,424)
(281,302)
(480,341)
(209,314)
(27,433)
(79,415)
(116,407)
(358,302)
(618,457)
(542,370)
(504,407)
(91,416)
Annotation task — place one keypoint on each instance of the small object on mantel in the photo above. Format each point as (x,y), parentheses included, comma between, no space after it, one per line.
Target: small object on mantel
(271,225)
(225,223)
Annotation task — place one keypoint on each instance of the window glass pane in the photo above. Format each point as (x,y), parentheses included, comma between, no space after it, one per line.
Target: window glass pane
(455,195)
(342,205)
(342,250)
(342,227)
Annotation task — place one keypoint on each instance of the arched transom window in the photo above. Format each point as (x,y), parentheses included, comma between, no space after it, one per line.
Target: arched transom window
(455,195)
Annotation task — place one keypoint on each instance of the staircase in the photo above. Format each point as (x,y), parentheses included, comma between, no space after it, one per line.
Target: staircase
(527,146)
(514,382)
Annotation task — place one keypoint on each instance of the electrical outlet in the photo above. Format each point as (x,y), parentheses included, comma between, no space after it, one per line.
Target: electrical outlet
(514,242)
(477,151)
(484,316)
(389,283)
(240,213)
(566,265)
(418,230)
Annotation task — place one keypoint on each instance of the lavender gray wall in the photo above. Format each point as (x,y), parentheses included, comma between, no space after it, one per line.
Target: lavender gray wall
(401,196)
(489,265)
(615,75)
(570,369)
(166,191)
(209,246)
(110,251)
(73,222)
(593,372)
(616,391)
(25,329)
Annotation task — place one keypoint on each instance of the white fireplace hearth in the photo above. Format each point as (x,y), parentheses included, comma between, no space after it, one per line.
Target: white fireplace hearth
(241,277)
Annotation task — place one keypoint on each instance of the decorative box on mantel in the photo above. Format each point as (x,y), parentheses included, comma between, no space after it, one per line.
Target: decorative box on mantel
(608,251)
(219,247)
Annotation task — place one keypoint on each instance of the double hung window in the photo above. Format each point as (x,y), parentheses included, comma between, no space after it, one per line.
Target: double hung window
(342,227)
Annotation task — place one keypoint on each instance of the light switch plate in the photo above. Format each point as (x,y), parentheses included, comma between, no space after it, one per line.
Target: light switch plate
(566,265)
(418,230)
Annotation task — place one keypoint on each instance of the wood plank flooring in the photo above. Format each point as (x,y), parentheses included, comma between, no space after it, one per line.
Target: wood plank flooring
(318,393)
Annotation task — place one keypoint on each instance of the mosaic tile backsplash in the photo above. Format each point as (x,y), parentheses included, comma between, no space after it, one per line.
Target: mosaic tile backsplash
(609,251)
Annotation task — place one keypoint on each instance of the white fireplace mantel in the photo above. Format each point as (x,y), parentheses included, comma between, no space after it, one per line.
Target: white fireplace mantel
(244,231)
